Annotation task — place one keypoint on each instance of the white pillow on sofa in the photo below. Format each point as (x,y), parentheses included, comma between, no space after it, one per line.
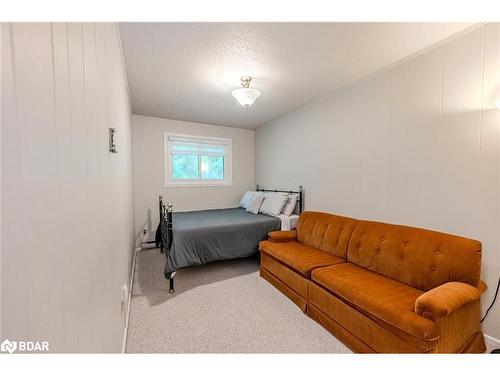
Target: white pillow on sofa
(290,204)
(255,203)
(273,203)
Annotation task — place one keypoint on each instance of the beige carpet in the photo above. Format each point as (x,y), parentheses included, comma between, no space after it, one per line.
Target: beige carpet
(222,307)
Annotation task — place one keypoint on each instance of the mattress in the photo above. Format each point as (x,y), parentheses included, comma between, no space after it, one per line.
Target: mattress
(206,236)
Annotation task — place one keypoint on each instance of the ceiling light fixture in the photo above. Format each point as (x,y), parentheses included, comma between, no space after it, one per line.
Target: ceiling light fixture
(245,95)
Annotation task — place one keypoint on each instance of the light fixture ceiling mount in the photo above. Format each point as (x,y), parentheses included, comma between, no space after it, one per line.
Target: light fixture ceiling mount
(245,95)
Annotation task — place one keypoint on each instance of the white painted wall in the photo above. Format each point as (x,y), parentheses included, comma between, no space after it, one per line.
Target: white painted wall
(149,174)
(1,126)
(417,144)
(67,211)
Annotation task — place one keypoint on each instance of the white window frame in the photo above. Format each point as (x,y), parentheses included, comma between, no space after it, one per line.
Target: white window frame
(168,169)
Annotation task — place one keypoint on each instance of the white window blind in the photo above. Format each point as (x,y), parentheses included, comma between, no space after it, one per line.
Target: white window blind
(201,146)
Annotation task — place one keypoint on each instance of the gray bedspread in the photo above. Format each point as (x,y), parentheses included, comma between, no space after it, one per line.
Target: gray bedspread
(206,236)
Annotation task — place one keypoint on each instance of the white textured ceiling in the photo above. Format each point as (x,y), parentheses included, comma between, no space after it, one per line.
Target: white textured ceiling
(186,71)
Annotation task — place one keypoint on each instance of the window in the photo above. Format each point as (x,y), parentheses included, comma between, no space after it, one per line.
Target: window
(194,161)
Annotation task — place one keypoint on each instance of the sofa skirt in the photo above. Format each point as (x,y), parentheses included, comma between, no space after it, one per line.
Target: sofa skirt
(285,280)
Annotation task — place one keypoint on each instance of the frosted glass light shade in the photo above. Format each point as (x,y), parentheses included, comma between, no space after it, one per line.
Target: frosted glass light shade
(246,96)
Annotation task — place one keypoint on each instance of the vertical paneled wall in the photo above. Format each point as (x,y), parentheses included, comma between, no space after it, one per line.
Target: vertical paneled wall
(417,144)
(67,203)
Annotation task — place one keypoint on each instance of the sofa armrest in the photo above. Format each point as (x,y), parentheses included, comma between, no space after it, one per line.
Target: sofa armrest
(282,236)
(446,298)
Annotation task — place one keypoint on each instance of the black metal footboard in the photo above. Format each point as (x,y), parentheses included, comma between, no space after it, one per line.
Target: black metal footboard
(165,236)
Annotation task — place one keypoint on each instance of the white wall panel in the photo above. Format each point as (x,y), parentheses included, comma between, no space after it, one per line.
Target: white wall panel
(462,83)
(429,152)
(68,210)
(416,144)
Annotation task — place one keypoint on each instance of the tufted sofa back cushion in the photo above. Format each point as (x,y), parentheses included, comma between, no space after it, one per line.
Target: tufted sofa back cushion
(326,232)
(418,257)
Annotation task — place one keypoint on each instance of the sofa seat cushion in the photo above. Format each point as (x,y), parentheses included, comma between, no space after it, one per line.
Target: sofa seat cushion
(388,300)
(299,257)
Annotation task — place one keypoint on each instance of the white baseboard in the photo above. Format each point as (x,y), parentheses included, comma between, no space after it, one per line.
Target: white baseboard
(131,283)
(491,343)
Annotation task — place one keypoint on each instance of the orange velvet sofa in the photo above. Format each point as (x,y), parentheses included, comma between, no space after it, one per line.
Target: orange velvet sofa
(380,288)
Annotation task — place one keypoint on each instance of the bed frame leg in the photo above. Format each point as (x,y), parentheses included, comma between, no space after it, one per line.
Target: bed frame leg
(170,278)
(171,290)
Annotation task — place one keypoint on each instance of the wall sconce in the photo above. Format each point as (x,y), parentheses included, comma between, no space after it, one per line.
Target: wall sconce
(112,145)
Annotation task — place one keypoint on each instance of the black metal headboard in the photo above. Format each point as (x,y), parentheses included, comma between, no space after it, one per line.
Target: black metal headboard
(300,192)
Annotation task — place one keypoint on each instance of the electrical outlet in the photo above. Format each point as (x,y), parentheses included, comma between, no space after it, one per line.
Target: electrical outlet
(124,300)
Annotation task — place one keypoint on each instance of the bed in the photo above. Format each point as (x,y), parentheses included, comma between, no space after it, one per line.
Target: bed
(198,237)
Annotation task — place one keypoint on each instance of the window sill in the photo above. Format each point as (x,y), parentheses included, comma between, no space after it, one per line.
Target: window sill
(190,185)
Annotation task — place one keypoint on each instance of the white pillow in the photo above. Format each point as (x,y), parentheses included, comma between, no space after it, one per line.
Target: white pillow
(273,203)
(255,203)
(290,204)
(245,201)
